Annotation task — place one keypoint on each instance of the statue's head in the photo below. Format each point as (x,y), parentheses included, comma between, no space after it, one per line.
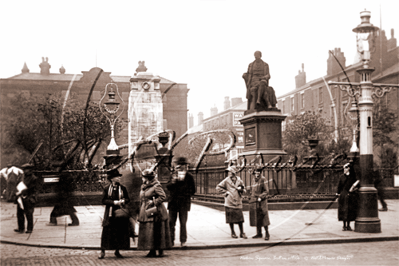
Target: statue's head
(258,54)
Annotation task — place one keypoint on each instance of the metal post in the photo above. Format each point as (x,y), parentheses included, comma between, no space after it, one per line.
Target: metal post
(367,220)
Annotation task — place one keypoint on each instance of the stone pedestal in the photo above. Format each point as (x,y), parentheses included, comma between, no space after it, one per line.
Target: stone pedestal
(262,134)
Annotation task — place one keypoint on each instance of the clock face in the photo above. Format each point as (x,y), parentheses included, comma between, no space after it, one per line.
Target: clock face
(146,86)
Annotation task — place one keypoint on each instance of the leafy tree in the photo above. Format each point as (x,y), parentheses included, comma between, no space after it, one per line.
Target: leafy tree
(32,120)
(309,125)
(385,123)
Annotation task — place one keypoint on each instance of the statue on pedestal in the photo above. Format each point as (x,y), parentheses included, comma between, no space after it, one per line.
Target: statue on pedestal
(260,96)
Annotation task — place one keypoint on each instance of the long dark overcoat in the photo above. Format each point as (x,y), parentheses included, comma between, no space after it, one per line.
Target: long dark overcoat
(347,202)
(259,189)
(115,234)
(180,193)
(154,233)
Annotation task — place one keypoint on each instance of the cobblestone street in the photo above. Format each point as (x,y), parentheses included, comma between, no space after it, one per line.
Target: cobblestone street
(372,253)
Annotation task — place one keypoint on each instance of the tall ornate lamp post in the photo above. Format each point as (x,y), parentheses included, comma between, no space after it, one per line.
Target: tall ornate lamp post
(367,220)
(110,108)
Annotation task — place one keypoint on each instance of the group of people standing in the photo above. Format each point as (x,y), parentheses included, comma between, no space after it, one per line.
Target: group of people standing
(156,225)
(232,187)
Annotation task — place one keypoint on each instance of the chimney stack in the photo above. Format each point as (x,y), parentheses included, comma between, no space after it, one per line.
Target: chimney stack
(200,118)
(45,66)
(300,79)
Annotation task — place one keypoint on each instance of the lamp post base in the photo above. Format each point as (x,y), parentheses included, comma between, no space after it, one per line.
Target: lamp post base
(371,225)
(367,220)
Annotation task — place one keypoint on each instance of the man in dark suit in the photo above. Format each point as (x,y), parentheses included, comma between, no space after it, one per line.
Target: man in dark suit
(181,187)
(26,198)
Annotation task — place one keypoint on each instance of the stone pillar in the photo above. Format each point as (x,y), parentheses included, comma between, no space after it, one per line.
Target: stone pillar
(262,134)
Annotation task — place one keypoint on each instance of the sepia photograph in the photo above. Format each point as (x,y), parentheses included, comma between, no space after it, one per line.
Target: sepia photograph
(201,132)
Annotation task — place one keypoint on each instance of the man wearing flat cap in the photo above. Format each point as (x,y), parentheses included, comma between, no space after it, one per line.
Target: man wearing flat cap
(181,187)
(26,198)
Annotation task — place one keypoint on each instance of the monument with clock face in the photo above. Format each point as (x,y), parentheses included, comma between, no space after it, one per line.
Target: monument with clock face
(145,105)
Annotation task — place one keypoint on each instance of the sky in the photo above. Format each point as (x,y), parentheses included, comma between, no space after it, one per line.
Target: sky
(206,44)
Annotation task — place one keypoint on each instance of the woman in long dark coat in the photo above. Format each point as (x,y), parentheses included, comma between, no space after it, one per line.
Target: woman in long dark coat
(115,234)
(258,204)
(347,200)
(154,231)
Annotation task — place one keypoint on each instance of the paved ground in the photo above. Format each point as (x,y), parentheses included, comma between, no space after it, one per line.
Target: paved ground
(365,253)
(206,228)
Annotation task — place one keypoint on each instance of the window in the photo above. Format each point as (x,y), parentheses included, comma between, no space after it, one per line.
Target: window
(343,114)
(125,96)
(283,106)
(302,99)
(96,96)
(292,103)
(165,124)
(321,95)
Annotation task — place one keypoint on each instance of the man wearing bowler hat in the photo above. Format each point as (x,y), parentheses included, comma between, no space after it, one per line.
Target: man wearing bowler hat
(181,187)
(26,199)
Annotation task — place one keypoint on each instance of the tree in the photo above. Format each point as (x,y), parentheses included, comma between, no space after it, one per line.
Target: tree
(385,123)
(300,128)
(32,120)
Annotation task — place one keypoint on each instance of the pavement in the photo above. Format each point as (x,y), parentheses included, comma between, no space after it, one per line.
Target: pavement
(206,228)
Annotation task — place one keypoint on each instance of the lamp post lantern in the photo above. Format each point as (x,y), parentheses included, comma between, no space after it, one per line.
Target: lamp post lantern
(367,220)
(112,111)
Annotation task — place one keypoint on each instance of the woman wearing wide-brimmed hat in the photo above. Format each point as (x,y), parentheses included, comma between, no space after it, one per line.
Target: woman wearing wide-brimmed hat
(154,231)
(232,187)
(115,234)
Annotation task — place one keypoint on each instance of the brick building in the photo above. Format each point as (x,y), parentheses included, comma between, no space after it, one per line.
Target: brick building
(44,83)
(332,104)
(228,118)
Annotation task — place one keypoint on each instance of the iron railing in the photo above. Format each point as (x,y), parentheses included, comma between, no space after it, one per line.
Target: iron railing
(282,182)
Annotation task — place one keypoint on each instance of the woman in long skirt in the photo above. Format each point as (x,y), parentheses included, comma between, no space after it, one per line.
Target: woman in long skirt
(115,234)
(154,231)
(348,198)
(232,187)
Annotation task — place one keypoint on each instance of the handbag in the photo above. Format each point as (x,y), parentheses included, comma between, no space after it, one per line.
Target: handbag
(122,213)
(150,212)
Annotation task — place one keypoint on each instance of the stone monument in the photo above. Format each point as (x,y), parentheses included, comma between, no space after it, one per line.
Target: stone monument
(260,96)
(262,120)
(145,106)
